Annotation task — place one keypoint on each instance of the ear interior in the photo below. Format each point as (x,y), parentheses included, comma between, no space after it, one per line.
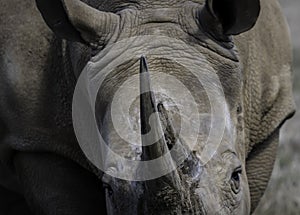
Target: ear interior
(235,16)
(57,19)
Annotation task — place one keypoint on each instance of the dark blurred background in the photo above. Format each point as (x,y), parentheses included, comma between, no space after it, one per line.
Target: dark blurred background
(283,193)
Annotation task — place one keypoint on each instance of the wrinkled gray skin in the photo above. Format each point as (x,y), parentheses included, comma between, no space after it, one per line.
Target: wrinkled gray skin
(38,76)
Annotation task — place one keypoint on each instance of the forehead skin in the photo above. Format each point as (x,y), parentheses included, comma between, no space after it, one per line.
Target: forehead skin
(116,5)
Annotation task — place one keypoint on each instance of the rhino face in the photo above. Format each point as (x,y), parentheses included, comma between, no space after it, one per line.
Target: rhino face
(196,186)
(208,180)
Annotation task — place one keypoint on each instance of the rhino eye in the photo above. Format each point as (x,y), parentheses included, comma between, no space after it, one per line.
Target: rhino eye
(235,180)
(239,109)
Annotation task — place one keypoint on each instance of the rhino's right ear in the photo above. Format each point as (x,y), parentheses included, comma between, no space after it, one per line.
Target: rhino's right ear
(232,16)
(76,21)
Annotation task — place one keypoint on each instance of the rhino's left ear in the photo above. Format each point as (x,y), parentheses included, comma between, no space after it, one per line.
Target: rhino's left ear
(76,21)
(233,16)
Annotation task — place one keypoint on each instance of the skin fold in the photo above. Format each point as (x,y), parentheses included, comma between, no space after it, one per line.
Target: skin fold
(45,46)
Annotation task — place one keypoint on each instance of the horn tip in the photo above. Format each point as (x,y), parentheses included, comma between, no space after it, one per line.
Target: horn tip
(143,64)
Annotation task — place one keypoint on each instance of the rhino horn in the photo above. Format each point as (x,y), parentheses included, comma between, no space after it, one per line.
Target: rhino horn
(153,141)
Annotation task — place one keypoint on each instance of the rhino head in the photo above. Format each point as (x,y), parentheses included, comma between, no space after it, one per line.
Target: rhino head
(189,40)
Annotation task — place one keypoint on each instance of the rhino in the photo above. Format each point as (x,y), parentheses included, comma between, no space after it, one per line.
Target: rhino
(233,57)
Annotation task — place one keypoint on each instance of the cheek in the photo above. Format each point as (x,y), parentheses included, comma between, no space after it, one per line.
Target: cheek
(216,197)
(208,200)
(211,195)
